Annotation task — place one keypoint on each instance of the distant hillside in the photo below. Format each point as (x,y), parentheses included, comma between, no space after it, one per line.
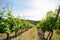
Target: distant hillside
(32,21)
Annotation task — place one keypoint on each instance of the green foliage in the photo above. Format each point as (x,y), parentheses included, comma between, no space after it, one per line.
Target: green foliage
(58,31)
(57,25)
(48,23)
(11,24)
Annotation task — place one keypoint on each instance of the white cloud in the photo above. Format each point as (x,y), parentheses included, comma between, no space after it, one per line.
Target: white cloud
(36,9)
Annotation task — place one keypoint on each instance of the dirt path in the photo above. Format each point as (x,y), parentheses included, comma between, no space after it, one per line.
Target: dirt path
(31,34)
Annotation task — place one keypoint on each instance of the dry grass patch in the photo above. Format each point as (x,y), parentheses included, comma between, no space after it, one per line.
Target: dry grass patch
(31,34)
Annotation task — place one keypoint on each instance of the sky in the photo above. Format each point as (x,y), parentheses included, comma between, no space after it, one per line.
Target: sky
(30,9)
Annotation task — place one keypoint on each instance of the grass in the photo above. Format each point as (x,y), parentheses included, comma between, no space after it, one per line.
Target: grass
(56,36)
(31,34)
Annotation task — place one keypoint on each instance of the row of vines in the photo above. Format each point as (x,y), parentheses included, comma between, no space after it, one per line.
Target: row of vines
(9,24)
(50,24)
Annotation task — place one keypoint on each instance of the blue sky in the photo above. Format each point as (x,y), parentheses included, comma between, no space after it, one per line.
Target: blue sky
(30,9)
